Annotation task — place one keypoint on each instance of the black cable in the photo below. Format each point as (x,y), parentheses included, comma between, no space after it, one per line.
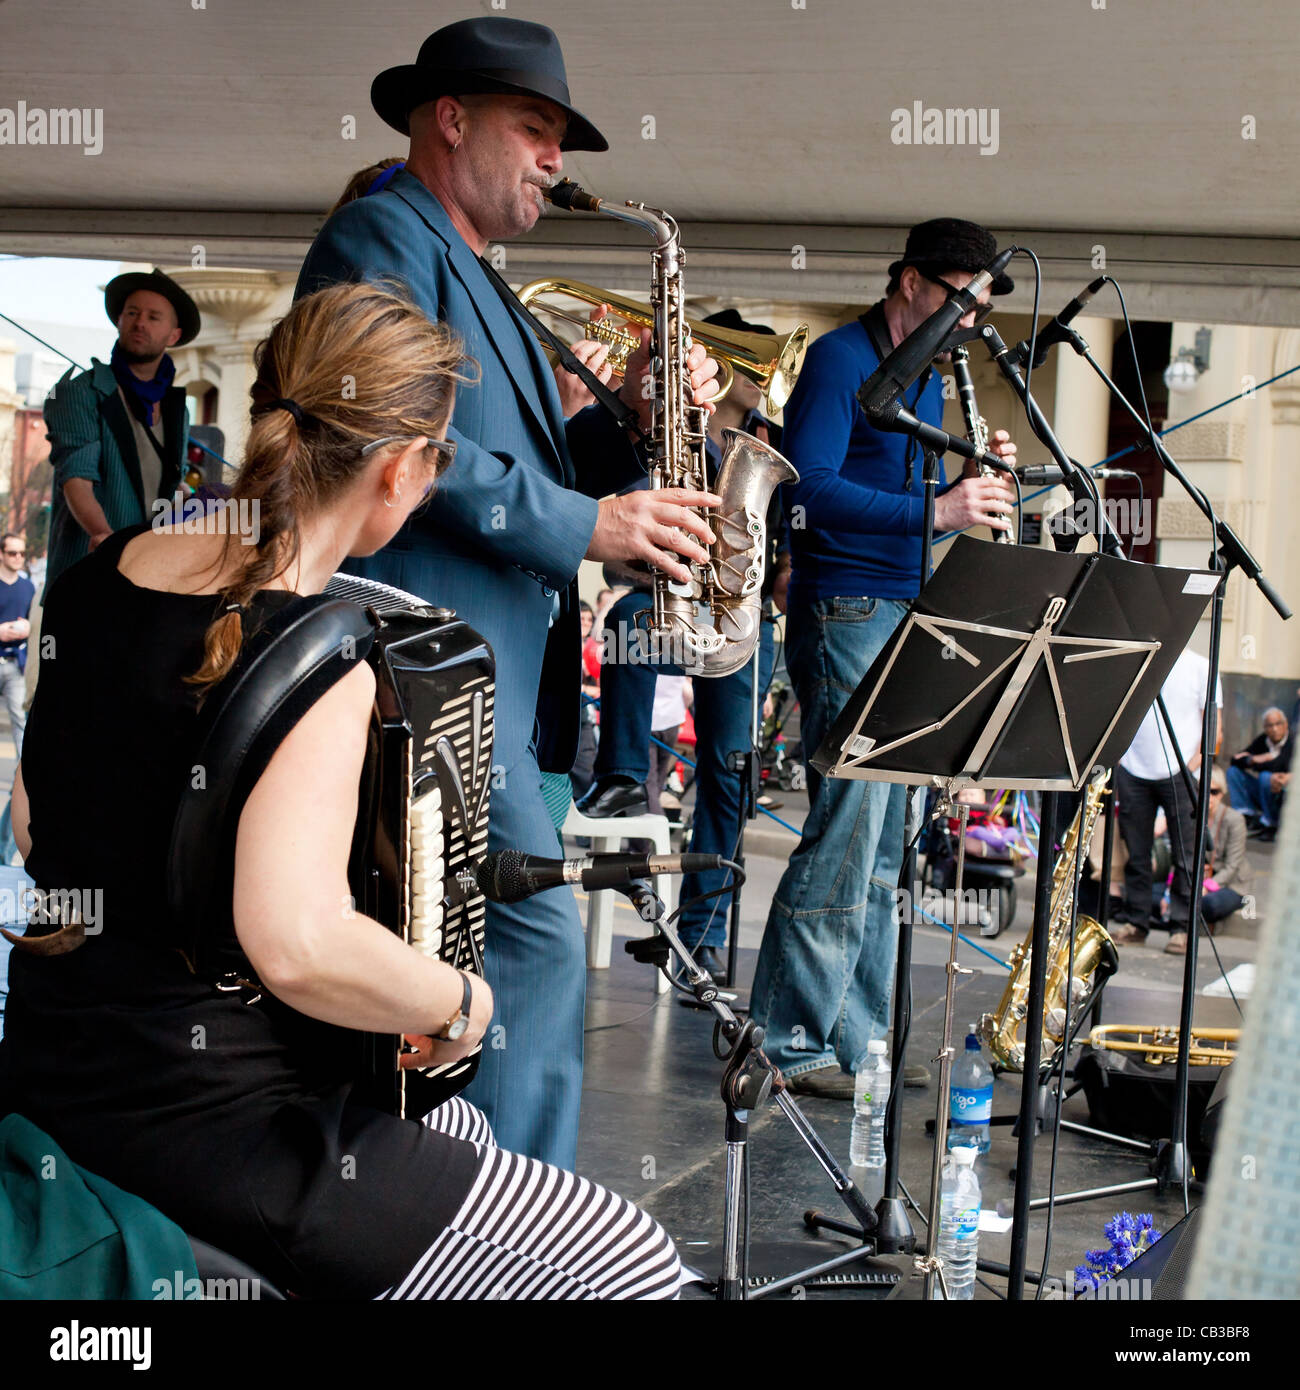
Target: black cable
(623,1023)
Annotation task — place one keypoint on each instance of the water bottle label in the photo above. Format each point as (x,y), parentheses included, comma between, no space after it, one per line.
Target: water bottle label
(971,1107)
(967,1222)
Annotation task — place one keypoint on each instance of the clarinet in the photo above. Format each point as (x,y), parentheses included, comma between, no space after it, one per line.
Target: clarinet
(977,430)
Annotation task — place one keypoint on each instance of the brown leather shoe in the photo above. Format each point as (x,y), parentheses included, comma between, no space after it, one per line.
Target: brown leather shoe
(829,1083)
(1177,944)
(1126,934)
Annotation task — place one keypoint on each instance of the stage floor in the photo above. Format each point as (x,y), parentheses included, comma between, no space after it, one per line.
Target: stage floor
(652,1125)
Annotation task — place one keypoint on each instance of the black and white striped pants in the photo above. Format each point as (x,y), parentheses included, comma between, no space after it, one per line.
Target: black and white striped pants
(529,1230)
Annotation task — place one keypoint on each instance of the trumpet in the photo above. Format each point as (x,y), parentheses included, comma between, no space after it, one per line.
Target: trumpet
(1209,1047)
(977,430)
(770,361)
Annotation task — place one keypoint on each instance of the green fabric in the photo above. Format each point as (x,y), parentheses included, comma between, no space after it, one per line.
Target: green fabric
(557,792)
(91,437)
(64,1233)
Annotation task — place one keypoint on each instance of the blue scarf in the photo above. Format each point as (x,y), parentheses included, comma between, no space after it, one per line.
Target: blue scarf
(142,396)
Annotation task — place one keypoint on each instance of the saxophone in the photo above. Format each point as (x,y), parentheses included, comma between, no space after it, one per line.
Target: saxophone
(730,585)
(1094,961)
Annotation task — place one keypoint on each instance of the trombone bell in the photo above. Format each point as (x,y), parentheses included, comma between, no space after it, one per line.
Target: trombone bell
(770,361)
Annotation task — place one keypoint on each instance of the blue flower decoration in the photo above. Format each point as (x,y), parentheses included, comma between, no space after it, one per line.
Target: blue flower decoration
(1129,1237)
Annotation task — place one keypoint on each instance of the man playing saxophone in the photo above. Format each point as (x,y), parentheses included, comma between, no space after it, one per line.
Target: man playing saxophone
(487,108)
(826,965)
(723,705)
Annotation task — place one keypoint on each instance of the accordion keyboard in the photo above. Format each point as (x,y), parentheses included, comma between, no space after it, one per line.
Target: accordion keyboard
(424,808)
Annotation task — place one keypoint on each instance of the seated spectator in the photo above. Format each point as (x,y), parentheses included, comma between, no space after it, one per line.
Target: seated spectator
(1259,774)
(1228,872)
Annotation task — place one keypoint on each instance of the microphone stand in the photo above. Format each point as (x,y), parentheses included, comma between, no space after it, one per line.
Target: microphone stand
(748,1079)
(1080,482)
(894,1233)
(1171,1164)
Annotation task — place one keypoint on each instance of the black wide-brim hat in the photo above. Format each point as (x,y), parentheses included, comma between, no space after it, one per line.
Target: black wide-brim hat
(122,287)
(949,243)
(489,54)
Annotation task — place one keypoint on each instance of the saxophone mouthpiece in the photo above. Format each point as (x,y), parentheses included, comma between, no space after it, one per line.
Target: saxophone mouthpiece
(571,197)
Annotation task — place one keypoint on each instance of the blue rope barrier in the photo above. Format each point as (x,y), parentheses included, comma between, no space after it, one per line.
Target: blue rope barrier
(1139,445)
(920,911)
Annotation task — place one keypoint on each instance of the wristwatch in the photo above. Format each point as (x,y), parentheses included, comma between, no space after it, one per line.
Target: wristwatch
(457,1024)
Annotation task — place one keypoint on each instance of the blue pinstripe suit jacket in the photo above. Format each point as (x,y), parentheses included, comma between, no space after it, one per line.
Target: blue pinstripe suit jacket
(513,516)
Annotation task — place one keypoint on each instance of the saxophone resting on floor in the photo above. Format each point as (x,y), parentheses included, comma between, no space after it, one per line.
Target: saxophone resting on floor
(1084,972)
(730,585)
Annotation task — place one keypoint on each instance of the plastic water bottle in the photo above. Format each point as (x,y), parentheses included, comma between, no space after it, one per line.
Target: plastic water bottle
(860,1132)
(877,1068)
(970,1104)
(959,1224)
(870,1101)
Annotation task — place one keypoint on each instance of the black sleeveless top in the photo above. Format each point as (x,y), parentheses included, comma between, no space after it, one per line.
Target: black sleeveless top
(234,1119)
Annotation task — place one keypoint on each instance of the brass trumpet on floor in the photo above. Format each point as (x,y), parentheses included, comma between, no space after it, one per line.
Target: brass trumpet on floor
(1210,1047)
(770,361)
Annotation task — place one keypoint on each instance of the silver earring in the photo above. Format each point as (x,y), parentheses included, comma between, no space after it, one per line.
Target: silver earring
(392,501)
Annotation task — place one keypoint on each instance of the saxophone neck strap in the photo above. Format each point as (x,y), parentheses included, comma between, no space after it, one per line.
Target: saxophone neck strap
(624,414)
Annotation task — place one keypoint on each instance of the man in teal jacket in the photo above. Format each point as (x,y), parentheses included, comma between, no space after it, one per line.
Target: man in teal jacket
(118,432)
(487,108)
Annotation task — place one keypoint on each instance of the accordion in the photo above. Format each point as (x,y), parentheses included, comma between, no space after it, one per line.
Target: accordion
(423,811)
(422,819)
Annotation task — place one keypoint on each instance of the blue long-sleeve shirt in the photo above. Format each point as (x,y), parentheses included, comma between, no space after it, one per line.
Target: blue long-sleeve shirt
(854,524)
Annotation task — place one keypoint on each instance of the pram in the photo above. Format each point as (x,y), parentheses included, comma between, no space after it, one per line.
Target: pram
(993,864)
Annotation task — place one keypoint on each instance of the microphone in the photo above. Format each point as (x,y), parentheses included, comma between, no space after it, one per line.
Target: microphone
(508,876)
(1054,473)
(880,393)
(1056,331)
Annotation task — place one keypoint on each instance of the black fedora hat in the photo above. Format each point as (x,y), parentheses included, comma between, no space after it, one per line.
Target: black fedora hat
(730,318)
(122,287)
(489,54)
(949,243)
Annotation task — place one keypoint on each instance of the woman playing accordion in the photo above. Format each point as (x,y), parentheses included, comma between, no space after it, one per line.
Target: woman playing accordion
(233,1108)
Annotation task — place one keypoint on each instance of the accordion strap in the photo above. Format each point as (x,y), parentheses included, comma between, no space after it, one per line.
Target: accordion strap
(282,670)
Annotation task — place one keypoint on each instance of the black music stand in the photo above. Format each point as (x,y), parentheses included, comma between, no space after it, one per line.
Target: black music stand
(1023,668)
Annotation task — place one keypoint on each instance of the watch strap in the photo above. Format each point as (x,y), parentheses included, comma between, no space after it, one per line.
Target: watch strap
(466,1000)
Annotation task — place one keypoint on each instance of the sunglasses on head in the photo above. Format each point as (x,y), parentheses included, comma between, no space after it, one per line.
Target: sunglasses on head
(446,447)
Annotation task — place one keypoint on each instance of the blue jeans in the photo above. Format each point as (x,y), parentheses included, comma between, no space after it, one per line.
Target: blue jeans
(1254,795)
(722,726)
(826,966)
(13,690)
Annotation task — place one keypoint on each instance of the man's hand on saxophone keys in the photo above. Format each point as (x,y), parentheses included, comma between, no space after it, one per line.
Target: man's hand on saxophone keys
(638,395)
(655,526)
